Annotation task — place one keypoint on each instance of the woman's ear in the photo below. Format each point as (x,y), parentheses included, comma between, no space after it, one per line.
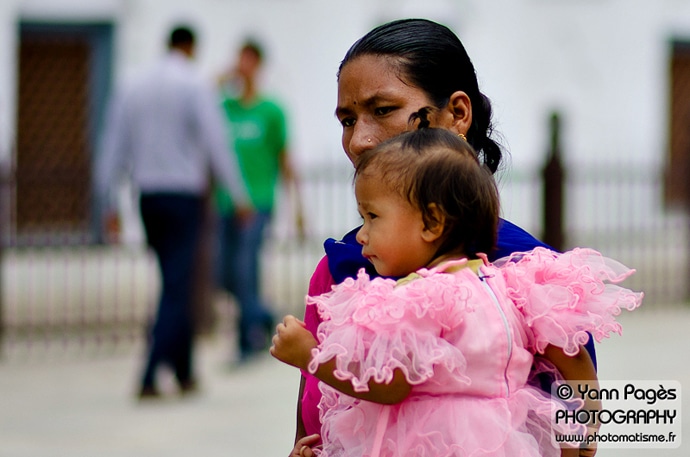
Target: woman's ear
(460,111)
(434,224)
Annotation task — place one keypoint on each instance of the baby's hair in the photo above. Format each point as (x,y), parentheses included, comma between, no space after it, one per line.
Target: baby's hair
(433,168)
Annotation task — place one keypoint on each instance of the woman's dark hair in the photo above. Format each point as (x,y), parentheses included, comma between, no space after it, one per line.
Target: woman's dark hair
(434,169)
(432,58)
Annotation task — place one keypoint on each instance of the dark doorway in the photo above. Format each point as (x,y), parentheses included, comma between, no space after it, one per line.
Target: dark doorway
(64,75)
(678,171)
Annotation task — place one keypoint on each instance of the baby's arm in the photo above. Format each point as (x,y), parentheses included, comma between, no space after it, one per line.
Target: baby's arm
(577,368)
(388,394)
(293,343)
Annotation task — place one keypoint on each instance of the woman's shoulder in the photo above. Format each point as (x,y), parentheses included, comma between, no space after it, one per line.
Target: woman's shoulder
(512,238)
(345,257)
(321,279)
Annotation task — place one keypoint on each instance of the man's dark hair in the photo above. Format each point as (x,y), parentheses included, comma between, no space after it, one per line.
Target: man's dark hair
(180,36)
(252,45)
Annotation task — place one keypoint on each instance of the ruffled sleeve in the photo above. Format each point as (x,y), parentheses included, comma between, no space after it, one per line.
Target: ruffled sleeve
(564,296)
(373,326)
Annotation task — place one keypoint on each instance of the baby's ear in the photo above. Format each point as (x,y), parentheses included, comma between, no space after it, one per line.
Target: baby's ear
(433,224)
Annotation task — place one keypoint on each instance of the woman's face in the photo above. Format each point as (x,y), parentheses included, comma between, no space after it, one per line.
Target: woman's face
(374,104)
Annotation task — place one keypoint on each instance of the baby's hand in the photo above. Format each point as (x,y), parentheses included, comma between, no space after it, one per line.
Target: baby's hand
(293,343)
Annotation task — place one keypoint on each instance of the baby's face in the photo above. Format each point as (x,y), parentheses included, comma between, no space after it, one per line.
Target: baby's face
(393,234)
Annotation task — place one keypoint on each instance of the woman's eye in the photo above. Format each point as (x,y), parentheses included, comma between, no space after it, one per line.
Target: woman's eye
(347,122)
(383,110)
(372,215)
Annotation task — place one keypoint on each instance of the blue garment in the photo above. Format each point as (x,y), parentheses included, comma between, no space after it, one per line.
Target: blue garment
(345,256)
(239,273)
(172,223)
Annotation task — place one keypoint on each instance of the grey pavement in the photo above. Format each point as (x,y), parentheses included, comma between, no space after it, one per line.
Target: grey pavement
(84,406)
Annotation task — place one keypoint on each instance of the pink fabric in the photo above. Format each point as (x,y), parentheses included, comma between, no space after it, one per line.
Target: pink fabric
(565,296)
(321,282)
(465,343)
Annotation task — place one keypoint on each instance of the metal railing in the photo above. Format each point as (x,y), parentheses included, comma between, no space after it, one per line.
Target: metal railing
(100,297)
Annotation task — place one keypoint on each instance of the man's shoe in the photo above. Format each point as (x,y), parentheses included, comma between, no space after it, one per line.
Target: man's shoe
(188,387)
(149,393)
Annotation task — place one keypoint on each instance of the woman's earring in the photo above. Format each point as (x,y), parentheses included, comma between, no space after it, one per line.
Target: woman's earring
(462,135)
(368,140)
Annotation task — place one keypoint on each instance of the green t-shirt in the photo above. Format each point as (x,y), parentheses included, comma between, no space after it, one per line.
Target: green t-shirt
(259,134)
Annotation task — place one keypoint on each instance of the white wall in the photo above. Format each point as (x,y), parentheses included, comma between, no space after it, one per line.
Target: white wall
(8,41)
(603,62)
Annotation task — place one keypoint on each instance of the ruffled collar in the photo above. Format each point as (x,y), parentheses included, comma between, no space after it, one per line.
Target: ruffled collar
(345,256)
(450,266)
(345,260)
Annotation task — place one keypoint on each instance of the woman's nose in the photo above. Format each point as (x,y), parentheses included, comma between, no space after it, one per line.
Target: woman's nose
(362,140)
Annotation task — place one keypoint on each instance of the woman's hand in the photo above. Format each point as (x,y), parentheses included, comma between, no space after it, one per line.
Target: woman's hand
(303,447)
(293,343)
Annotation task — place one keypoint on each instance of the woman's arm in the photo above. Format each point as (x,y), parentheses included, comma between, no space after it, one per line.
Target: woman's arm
(300,430)
(293,343)
(577,368)
(303,443)
(321,282)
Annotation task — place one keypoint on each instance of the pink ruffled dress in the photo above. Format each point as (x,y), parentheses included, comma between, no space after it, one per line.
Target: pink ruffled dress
(465,337)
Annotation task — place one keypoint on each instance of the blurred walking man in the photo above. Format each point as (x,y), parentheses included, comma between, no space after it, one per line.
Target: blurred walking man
(165,131)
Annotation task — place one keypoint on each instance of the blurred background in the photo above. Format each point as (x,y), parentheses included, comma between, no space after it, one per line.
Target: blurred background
(591,99)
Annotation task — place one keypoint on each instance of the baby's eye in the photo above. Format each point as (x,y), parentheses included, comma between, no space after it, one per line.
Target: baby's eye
(368,216)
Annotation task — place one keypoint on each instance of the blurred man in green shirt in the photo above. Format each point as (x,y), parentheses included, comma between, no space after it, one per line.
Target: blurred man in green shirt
(258,129)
